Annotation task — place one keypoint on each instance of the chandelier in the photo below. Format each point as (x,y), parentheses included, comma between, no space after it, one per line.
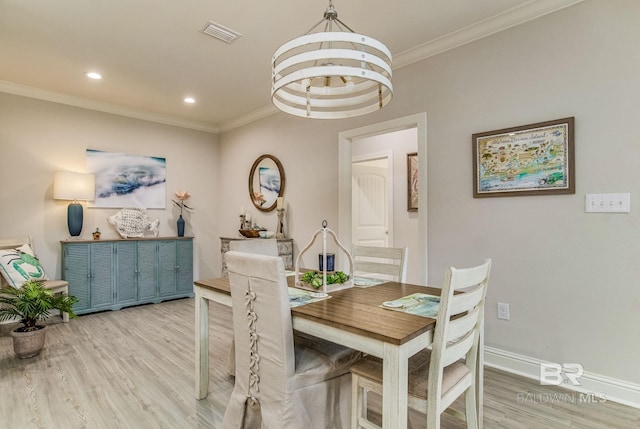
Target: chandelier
(331,74)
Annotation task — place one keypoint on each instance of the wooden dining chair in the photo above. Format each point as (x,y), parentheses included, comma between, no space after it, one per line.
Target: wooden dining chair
(19,253)
(437,377)
(280,384)
(389,263)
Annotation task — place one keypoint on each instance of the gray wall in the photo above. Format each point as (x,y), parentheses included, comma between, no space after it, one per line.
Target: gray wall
(571,278)
(38,138)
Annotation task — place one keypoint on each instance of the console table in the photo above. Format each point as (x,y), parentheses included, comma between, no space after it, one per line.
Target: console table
(112,274)
(285,250)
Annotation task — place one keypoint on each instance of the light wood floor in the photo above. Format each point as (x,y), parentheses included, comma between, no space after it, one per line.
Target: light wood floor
(134,368)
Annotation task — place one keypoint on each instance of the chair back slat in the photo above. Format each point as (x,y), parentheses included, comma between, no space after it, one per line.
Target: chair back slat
(462,325)
(458,350)
(12,243)
(468,277)
(378,268)
(387,261)
(464,302)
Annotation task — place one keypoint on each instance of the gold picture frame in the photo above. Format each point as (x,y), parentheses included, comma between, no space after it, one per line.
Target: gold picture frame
(412,182)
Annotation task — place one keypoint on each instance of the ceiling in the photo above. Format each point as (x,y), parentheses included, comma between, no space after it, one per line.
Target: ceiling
(152,54)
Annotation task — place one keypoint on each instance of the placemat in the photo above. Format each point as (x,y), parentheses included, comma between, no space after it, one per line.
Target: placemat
(367,281)
(298,297)
(420,304)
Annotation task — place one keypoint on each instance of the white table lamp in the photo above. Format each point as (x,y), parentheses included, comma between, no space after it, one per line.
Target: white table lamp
(76,187)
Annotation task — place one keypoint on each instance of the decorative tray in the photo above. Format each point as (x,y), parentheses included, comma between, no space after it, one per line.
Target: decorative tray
(250,233)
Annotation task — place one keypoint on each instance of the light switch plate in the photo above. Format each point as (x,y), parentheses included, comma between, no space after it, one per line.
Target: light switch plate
(608,203)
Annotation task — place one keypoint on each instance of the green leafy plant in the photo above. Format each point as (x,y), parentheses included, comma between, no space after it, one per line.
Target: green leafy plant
(32,303)
(314,278)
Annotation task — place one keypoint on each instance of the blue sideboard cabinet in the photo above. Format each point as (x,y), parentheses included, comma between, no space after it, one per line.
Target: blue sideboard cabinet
(111,274)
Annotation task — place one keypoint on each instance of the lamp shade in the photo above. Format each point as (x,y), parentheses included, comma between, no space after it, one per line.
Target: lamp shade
(68,185)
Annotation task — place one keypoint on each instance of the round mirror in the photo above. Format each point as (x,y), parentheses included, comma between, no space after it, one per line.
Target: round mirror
(266,182)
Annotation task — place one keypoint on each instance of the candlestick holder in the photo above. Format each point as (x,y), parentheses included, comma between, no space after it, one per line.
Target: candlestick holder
(243,221)
(280,228)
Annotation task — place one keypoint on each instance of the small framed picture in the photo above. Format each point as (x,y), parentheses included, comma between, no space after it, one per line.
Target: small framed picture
(412,182)
(535,159)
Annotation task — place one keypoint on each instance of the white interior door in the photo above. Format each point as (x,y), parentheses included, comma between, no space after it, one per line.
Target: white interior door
(371,203)
(418,260)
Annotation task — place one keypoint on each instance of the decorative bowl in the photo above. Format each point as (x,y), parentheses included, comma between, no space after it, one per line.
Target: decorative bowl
(250,233)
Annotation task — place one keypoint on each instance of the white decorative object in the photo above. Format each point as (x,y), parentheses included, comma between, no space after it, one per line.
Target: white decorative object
(325,287)
(280,228)
(133,222)
(331,74)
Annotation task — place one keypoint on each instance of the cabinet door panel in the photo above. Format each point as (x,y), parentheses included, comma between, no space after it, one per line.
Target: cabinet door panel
(101,274)
(76,272)
(184,271)
(126,275)
(167,267)
(147,270)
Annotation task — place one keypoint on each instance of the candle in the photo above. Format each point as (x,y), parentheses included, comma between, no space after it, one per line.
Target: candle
(248,217)
(280,203)
(242,211)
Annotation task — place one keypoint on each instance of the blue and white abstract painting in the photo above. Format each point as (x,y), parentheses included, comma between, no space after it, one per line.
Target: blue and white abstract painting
(124,180)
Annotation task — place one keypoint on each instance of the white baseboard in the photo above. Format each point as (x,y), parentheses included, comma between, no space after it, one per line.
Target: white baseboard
(620,391)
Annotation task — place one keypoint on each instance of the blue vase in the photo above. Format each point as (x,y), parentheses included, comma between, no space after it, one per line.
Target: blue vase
(180,227)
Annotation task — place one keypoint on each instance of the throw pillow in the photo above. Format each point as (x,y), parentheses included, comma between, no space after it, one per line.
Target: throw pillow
(19,265)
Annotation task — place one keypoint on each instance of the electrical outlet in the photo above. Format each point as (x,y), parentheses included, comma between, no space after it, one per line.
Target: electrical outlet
(503,311)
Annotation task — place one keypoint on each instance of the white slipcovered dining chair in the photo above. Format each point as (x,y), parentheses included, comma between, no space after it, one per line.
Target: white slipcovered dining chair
(277,384)
(389,263)
(437,377)
(258,246)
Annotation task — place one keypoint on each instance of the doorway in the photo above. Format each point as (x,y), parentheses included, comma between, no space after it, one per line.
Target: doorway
(417,256)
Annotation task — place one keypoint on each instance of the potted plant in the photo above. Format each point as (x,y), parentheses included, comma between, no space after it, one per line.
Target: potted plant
(31,303)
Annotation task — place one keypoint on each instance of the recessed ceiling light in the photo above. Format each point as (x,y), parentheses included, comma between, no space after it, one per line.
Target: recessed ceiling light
(189,100)
(94,75)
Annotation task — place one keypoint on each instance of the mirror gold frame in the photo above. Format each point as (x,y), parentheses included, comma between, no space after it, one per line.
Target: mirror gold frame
(266,182)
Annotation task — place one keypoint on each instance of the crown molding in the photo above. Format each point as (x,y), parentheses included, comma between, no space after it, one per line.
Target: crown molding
(503,21)
(518,15)
(85,103)
(263,112)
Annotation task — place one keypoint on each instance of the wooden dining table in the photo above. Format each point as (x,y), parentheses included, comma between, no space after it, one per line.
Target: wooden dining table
(352,317)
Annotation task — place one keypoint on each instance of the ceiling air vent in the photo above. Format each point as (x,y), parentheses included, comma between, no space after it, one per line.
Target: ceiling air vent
(220,32)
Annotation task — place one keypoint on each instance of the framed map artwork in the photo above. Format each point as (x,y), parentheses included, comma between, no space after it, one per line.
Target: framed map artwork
(535,159)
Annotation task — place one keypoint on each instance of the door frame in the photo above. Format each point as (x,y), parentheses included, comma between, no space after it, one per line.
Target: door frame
(345,139)
(388,156)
